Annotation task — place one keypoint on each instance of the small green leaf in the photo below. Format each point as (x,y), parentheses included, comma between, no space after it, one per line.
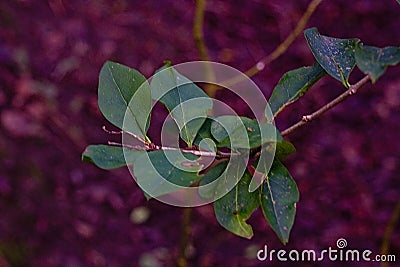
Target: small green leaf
(210,176)
(241,132)
(218,181)
(110,157)
(233,209)
(374,61)
(117,85)
(278,197)
(185,101)
(335,55)
(293,85)
(284,149)
(279,150)
(161,172)
(204,137)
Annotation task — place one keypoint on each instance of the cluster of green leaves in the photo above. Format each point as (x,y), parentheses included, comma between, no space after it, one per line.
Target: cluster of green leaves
(278,194)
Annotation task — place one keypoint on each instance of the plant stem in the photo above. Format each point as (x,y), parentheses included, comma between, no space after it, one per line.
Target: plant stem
(389,231)
(152,147)
(198,29)
(198,36)
(281,48)
(305,119)
(185,237)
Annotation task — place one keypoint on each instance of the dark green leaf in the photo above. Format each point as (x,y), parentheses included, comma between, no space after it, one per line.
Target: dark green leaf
(241,132)
(204,137)
(374,61)
(185,101)
(278,197)
(117,85)
(209,177)
(293,85)
(218,181)
(110,157)
(160,172)
(335,55)
(283,150)
(233,209)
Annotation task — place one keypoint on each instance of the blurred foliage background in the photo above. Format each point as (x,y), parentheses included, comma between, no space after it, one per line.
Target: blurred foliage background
(57,211)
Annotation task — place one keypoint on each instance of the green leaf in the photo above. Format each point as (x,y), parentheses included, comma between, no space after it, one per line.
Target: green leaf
(241,132)
(279,151)
(278,197)
(374,61)
(110,157)
(210,176)
(161,172)
(204,137)
(218,181)
(283,150)
(293,85)
(233,209)
(185,101)
(117,85)
(335,55)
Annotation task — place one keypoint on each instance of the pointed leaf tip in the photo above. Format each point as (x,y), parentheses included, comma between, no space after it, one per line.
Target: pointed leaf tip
(124,96)
(374,61)
(233,209)
(335,55)
(278,198)
(187,103)
(293,85)
(109,157)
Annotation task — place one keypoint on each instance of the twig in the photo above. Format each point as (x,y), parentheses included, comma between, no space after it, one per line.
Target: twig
(280,49)
(137,147)
(394,219)
(121,132)
(198,36)
(152,147)
(198,29)
(305,119)
(186,233)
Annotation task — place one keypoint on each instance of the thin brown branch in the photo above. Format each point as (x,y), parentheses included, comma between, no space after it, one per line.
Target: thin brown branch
(305,119)
(121,132)
(185,237)
(391,226)
(198,29)
(153,147)
(202,153)
(282,47)
(198,36)
(137,147)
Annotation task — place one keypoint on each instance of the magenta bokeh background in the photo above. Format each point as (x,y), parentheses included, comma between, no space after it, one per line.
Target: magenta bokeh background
(57,211)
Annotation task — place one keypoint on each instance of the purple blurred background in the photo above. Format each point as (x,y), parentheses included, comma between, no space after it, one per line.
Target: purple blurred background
(57,211)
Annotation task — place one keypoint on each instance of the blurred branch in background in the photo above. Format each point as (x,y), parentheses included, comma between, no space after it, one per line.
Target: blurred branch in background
(281,48)
(260,65)
(394,219)
(186,231)
(198,35)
